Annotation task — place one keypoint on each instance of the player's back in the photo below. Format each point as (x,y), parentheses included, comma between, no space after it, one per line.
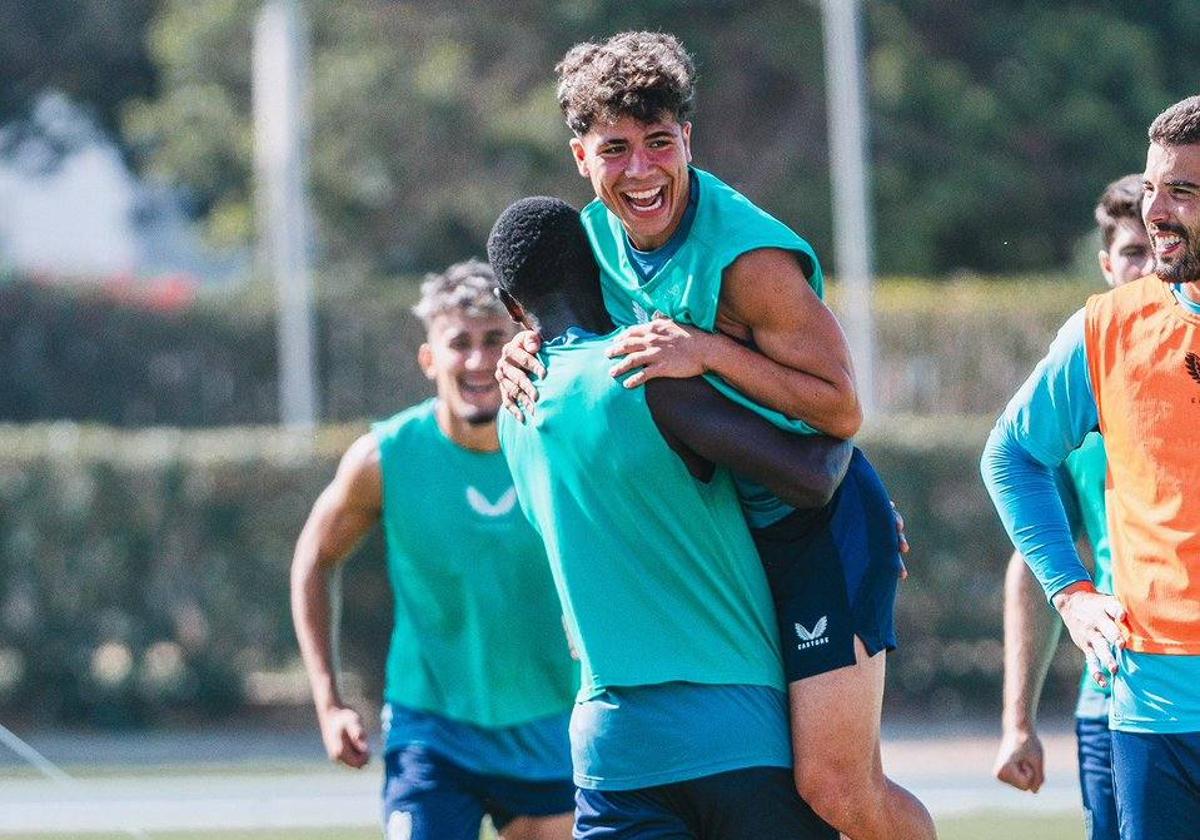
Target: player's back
(658,575)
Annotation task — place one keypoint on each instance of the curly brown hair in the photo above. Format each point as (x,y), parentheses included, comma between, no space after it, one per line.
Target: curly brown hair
(1122,199)
(644,75)
(1179,125)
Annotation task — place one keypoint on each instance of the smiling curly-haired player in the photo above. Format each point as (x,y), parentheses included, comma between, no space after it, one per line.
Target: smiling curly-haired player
(741,293)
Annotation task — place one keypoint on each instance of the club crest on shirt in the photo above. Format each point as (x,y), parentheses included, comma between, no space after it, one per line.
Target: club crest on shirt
(1192,362)
(484,506)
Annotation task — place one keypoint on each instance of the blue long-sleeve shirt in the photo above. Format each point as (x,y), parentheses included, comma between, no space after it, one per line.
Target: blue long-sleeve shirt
(1045,421)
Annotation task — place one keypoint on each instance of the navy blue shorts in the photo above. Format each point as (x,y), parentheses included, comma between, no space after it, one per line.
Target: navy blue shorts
(833,574)
(1157,780)
(757,803)
(1094,742)
(428,797)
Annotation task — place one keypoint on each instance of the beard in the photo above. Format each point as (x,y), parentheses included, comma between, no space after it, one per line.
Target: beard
(481,417)
(1185,269)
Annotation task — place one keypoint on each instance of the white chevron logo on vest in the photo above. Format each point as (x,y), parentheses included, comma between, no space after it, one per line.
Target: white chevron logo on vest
(485,507)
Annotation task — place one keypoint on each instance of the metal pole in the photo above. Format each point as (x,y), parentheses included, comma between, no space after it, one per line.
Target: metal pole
(853,234)
(281,128)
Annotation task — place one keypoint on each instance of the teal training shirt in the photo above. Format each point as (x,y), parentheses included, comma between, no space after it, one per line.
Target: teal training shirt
(1087,468)
(644,736)
(477,634)
(658,576)
(687,287)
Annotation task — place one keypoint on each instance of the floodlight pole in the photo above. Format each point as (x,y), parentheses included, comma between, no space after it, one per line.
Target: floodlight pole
(853,234)
(280,64)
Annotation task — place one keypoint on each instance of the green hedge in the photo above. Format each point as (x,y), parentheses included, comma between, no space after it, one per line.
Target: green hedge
(84,354)
(143,575)
(94,354)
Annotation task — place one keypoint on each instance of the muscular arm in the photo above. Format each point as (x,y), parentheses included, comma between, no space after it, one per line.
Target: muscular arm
(342,515)
(801,365)
(804,368)
(803,470)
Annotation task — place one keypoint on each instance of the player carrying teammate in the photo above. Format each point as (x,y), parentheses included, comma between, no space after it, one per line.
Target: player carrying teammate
(681,728)
(1030,629)
(1129,364)
(744,293)
(479,678)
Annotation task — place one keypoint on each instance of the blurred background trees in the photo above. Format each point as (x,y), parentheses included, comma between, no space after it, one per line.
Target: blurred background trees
(994,124)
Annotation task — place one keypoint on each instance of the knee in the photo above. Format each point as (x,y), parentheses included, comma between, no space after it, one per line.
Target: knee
(838,794)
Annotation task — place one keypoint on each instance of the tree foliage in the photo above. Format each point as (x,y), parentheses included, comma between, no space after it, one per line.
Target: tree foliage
(994,124)
(429,118)
(93,51)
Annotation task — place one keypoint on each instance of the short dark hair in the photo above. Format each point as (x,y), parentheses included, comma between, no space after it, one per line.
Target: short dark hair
(644,75)
(1179,125)
(538,246)
(1122,199)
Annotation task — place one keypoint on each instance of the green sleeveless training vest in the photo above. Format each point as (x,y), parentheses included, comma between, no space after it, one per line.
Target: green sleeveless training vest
(478,633)
(658,574)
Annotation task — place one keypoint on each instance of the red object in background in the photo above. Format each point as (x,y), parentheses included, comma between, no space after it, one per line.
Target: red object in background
(165,293)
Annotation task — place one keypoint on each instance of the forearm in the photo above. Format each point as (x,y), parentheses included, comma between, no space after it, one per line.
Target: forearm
(827,401)
(803,470)
(1031,631)
(1025,496)
(312,617)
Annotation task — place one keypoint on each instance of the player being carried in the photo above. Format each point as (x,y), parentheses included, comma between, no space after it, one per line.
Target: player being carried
(1031,630)
(480,682)
(741,293)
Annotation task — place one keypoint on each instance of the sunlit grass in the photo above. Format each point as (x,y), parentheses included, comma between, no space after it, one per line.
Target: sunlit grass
(985,826)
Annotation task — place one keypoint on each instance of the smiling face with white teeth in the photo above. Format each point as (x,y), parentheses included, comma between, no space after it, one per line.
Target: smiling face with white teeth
(640,171)
(460,355)
(1171,210)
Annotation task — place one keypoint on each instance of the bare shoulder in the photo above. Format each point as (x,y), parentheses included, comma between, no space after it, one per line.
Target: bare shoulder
(764,279)
(360,474)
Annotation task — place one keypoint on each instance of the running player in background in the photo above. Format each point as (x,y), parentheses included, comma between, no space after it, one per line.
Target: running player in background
(480,681)
(741,293)
(1128,364)
(1031,629)
(681,726)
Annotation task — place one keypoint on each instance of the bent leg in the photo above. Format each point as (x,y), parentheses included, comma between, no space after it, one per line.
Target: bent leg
(838,767)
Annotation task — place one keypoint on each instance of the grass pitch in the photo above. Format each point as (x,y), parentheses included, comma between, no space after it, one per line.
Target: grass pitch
(984,826)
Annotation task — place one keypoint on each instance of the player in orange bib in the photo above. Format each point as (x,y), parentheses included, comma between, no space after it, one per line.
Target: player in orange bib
(1128,364)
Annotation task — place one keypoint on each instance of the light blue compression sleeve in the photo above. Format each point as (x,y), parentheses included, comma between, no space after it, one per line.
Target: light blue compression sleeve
(1045,421)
